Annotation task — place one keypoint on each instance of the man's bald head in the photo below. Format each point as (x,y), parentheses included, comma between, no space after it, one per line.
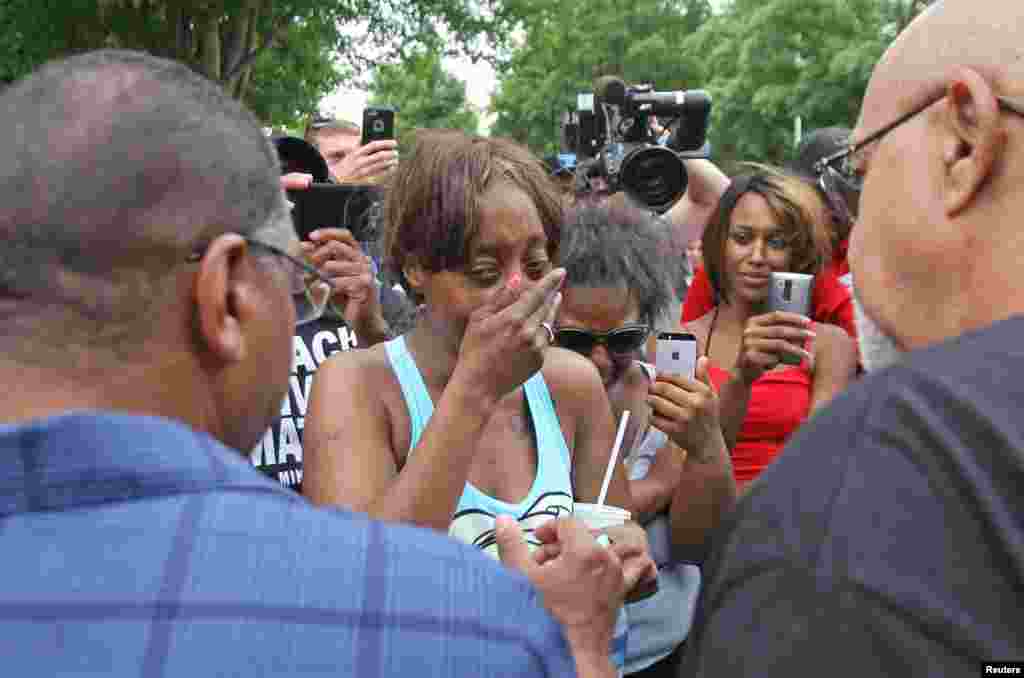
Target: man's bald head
(937,240)
(116,164)
(980,34)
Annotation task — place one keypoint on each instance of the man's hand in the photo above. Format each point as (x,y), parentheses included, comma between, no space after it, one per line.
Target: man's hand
(582,583)
(367,162)
(296,181)
(337,254)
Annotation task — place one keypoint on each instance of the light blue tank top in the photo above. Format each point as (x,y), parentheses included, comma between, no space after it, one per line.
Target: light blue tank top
(551,495)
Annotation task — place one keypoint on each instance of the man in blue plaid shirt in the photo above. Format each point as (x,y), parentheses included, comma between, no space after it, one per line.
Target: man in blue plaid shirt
(149,298)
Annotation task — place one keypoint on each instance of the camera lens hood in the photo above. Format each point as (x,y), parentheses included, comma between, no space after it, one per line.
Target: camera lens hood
(298,155)
(654,176)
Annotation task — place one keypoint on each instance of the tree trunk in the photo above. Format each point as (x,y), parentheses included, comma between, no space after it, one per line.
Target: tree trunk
(259,42)
(180,22)
(252,46)
(208,58)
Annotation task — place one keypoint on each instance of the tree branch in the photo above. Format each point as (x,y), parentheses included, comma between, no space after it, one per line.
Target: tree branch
(236,32)
(208,56)
(251,55)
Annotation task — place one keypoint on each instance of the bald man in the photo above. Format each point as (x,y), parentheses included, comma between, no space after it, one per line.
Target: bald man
(888,540)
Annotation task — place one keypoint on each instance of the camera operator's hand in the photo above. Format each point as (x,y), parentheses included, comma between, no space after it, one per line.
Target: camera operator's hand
(505,339)
(687,411)
(296,181)
(767,338)
(337,254)
(367,162)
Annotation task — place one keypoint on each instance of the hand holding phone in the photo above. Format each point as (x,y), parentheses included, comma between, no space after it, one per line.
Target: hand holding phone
(366,163)
(767,338)
(684,404)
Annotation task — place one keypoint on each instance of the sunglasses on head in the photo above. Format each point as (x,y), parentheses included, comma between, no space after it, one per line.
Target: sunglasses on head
(621,340)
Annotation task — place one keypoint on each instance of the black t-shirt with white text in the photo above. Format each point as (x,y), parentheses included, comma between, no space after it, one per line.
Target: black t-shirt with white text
(279,453)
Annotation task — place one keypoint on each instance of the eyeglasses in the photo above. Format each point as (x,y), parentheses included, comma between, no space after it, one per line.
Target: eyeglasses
(309,289)
(621,340)
(839,174)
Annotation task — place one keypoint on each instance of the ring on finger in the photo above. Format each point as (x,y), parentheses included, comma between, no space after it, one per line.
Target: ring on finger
(551,332)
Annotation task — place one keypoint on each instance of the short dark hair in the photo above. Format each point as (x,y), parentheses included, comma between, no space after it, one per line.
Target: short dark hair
(605,245)
(117,163)
(433,201)
(799,208)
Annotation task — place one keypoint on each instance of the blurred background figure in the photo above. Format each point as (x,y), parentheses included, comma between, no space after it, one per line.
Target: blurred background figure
(349,161)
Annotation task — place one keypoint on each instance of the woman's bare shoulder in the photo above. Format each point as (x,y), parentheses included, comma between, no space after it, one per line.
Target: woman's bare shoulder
(566,370)
(363,373)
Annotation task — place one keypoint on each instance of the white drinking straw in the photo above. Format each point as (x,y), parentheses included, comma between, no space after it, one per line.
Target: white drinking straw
(615,457)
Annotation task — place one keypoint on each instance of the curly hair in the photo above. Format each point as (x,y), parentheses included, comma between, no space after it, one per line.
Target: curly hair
(607,245)
(798,208)
(433,203)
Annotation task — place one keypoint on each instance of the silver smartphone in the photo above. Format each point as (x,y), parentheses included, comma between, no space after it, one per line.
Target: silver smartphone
(676,353)
(791,292)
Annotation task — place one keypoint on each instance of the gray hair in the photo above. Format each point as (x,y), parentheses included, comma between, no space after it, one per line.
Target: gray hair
(620,246)
(117,164)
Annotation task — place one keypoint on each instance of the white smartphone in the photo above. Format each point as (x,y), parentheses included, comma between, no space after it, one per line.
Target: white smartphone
(676,353)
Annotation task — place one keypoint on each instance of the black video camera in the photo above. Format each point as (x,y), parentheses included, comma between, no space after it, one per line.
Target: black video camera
(611,136)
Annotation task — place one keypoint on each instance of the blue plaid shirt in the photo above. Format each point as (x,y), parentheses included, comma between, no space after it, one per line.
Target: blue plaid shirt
(134,546)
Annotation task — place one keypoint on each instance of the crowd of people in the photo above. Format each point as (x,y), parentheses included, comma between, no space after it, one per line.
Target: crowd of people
(467,460)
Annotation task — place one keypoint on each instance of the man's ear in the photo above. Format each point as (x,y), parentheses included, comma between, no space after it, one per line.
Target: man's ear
(973,138)
(220,293)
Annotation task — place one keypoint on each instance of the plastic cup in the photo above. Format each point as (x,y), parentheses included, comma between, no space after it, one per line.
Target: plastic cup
(600,517)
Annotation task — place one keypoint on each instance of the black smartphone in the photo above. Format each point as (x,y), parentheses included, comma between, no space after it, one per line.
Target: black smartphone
(348,206)
(378,123)
(676,353)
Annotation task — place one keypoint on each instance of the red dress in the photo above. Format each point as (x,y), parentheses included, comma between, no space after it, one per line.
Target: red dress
(831,301)
(780,401)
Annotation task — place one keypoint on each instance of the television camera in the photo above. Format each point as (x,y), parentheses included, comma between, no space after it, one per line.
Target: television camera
(611,135)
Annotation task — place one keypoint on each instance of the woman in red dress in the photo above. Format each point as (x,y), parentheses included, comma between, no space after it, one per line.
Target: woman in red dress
(766,222)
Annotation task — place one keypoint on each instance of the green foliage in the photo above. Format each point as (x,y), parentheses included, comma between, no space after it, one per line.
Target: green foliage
(763,61)
(284,91)
(426,96)
(567,44)
(768,62)
(280,56)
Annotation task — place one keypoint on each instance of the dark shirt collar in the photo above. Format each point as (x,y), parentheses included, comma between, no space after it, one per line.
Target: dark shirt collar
(85,458)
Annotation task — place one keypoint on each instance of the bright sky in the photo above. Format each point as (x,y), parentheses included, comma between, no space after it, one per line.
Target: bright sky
(480,83)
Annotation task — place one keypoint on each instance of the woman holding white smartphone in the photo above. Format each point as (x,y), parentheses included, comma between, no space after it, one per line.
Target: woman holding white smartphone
(771,368)
(617,283)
